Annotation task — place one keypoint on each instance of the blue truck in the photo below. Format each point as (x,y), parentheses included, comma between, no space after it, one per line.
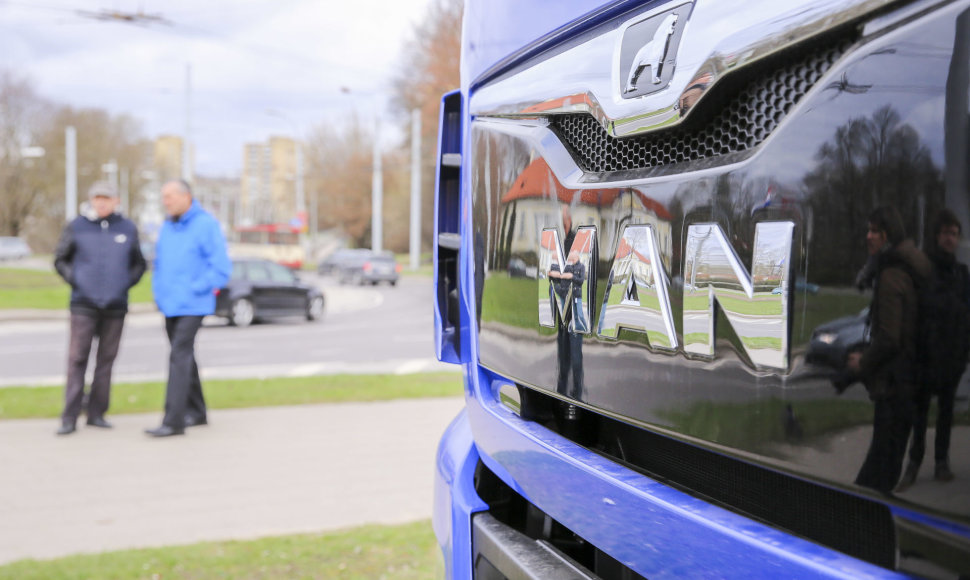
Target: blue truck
(650,222)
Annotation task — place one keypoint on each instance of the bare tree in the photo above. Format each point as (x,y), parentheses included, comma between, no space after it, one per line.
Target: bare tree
(22,113)
(33,185)
(339,175)
(430,69)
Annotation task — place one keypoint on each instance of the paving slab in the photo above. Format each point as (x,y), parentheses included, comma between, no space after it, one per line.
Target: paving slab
(249,473)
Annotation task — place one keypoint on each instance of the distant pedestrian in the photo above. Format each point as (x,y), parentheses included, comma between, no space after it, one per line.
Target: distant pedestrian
(191,264)
(98,254)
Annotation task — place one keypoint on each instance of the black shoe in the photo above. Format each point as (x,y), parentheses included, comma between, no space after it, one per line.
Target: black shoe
(99,422)
(908,479)
(943,472)
(67,427)
(193,421)
(164,431)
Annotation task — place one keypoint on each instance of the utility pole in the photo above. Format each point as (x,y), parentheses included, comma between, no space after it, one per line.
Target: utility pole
(125,201)
(186,146)
(377,193)
(415,188)
(70,173)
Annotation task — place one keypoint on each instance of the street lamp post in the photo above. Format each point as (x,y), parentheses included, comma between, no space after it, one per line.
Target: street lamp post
(70,173)
(377,193)
(415,188)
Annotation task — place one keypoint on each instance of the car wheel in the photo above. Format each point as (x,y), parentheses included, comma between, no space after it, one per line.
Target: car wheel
(314,308)
(393,282)
(241,313)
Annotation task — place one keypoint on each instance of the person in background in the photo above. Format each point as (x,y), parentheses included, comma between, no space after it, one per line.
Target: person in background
(98,254)
(191,264)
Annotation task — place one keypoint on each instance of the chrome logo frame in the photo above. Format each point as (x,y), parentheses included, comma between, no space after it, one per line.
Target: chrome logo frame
(646,51)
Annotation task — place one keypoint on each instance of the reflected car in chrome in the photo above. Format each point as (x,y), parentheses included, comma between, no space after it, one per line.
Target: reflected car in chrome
(833,341)
(260,289)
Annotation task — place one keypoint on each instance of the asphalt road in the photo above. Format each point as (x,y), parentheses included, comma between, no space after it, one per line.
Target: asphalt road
(364,330)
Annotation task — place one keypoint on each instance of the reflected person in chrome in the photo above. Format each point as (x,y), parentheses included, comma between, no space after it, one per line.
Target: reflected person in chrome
(888,365)
(945,329)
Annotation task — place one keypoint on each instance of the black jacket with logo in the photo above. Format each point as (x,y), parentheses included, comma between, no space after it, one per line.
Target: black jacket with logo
(101,259)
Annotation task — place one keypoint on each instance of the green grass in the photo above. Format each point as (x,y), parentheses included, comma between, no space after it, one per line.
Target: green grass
(512,301)
(425,264)
(30,402)
(741,304)
(401,552)
(23,288)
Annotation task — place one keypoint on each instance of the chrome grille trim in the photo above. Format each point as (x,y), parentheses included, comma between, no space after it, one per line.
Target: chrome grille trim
(742,121)
(584,78)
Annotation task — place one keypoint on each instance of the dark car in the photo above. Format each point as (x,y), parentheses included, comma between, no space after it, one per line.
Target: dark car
(370,267)
(833,341)
(333,263)
(263,289)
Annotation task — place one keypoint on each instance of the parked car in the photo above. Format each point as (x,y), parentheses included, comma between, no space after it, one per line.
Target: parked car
(12,248)
(262,289)
(332,263)
(370,267)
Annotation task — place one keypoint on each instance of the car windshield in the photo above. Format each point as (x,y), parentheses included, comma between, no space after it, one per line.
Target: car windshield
(238,271)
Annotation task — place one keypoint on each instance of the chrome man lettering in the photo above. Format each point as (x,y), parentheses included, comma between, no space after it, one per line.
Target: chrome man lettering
(637,296)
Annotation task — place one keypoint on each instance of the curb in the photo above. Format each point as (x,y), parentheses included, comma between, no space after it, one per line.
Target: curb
(31,314)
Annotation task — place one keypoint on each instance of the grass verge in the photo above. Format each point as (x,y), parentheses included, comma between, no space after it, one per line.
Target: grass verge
(401,552)
(23,288)
(35,402)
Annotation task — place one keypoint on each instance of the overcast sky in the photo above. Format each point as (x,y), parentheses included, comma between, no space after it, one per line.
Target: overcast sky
(258,67)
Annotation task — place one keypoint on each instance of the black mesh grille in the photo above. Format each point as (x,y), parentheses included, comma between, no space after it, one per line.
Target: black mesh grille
(738,115)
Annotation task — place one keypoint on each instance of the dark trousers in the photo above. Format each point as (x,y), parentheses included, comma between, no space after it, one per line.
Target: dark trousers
(183,394)
(891,422)
(944,422)
(570,355)
(84,327)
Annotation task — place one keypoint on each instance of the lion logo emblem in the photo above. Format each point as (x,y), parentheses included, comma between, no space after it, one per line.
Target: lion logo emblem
(652,54)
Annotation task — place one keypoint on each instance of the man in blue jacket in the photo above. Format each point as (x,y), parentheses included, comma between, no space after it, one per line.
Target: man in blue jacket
(99,256)
(191,264)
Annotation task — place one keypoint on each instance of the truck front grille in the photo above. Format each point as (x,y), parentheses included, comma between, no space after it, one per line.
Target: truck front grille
(739,114)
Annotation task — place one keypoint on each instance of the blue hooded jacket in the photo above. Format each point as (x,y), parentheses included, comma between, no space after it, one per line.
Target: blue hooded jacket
(191,263)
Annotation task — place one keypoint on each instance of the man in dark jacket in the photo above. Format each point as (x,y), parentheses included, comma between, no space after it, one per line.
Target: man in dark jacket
(947,343)
(99,256)
(888,364)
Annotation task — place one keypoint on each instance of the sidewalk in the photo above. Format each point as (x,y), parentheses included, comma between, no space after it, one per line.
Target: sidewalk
(250,473)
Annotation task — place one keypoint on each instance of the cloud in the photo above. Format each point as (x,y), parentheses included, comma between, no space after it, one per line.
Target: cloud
(292,56)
